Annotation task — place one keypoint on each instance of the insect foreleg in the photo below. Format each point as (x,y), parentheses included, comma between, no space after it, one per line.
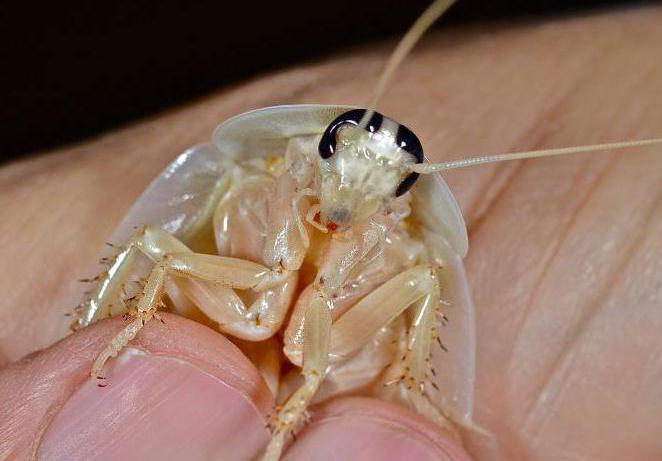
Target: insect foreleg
(317,332)
(305,238)
(225,271)
(145,310)
(255,322)
(104,300)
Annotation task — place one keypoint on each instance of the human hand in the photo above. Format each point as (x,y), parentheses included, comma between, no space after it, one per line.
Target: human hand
(564,260)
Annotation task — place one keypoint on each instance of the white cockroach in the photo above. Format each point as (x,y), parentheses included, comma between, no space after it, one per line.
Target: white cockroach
(315,214)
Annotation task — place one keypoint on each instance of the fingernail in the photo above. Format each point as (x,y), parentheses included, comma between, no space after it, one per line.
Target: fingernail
(365,429)
(154,408)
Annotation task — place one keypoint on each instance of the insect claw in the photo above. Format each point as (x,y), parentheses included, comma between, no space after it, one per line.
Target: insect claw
(441,344)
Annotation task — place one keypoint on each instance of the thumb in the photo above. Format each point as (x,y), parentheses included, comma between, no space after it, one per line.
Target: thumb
(181,391)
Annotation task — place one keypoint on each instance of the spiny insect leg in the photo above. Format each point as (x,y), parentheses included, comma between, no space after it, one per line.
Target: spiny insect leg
(230,272)
(317,332)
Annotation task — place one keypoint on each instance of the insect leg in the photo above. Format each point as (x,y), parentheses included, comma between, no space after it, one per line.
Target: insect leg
(413,370)
(229,272)
(145,310)
(105,298)
(315,362)
(417,288)
(360,323)
(254,321)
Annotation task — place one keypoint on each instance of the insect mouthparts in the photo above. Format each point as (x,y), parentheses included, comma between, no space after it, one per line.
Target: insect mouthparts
(339,216)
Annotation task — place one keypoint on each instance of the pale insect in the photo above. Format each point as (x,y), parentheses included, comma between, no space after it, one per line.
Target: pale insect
(315,214)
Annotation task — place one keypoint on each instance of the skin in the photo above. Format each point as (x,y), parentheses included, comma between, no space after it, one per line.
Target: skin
(564,257)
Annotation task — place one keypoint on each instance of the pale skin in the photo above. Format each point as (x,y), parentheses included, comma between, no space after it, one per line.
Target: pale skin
(513,300)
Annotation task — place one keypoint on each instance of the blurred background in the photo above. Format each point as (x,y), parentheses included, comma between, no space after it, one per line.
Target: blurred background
(74,69)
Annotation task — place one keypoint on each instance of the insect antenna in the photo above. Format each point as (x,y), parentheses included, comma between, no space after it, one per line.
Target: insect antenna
(422,24)
(413,35)
(424,168)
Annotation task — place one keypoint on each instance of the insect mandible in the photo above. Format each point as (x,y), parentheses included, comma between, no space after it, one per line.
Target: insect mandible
(328,216)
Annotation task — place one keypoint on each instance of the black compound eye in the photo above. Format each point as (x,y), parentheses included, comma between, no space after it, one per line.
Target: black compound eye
(408,141)
(327,146)
(406,184)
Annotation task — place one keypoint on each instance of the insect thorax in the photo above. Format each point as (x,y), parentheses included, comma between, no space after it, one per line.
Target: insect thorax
(381,244)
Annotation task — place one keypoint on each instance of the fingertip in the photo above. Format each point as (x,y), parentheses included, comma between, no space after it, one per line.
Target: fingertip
(154,407)
(367,429)
(181,386)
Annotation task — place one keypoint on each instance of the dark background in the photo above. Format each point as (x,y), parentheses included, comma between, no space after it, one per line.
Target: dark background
(73,69)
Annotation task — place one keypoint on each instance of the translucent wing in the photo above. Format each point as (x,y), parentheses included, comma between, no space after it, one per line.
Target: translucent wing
(436,209)
(454,359)
(264,132)
(442,227)
(181,199)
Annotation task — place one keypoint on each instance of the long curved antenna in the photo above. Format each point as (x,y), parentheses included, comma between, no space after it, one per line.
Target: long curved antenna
(461,163)
(423,23)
